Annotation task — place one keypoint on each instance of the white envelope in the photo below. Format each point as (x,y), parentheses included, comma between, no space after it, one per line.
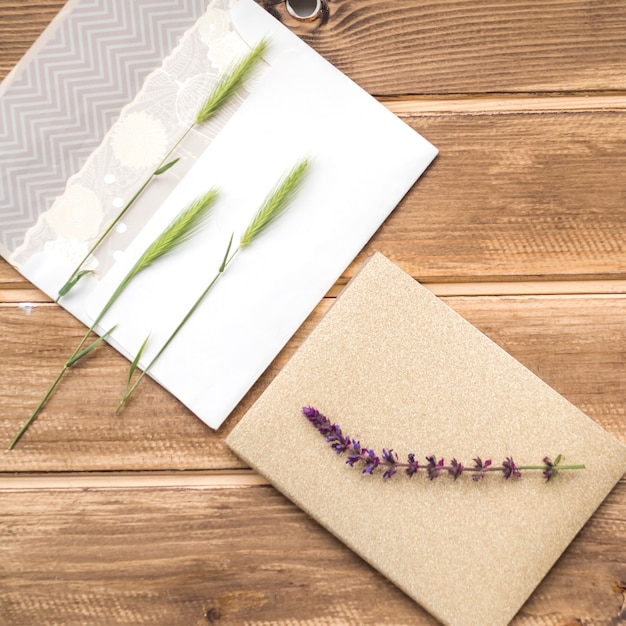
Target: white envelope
(363,160)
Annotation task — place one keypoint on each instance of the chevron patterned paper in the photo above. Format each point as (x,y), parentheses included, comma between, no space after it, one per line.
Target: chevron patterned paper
(57,107)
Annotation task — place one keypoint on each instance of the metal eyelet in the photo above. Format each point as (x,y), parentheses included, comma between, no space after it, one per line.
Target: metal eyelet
(304,10)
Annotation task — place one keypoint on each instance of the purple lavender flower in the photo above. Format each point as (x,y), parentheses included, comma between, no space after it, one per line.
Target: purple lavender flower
(434,467)
(335,437)
(310,412)
(481,467)
(456,469)
(551,468)
(510,469)
(356,455)
(390,456)
(391,460)
(412,465)
(371,461)
(360,454)
(321,422)
(342,445)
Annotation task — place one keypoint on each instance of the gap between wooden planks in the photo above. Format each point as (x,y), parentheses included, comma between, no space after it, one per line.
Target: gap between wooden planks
(208,479)
(31,296)
(503,103)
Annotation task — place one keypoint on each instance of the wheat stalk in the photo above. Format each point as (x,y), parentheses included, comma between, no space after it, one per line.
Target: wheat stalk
(230,82)
(274,205)
(225,87)
(179,231)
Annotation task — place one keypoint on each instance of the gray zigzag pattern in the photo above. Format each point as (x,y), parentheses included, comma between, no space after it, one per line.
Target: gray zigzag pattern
(57,112)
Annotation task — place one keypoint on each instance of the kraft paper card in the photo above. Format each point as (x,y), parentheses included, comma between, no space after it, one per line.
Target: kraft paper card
(398,369)
(363,161)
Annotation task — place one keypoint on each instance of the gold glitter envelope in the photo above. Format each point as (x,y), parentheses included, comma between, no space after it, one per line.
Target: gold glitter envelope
(397,368)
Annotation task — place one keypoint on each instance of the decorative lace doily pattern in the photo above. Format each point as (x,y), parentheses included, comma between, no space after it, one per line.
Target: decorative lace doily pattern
(147,129)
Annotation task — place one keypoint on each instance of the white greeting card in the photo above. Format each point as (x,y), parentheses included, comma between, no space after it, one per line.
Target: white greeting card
(363,160)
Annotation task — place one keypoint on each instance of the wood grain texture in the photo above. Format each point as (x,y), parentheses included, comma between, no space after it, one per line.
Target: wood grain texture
(514,194)
(244,556)
(526,188)
(433,47)
(459,47)
(576,344)
(21,22)
(511,196)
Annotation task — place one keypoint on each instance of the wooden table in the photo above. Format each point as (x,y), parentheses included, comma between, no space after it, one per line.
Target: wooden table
(519,225)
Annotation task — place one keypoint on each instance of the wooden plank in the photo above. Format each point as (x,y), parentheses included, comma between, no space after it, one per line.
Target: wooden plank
(493,104)
(20,25)
(511,196)
(457,47)
(9,277)
(175,556)
(505,46)
(189,479)
(576,344)
(14,288)
(23,293)
(553,207)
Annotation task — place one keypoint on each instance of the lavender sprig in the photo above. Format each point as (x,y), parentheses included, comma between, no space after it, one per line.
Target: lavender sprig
(369,461)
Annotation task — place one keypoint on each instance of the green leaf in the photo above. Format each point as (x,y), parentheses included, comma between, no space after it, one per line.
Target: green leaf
(70,283)
(135,363)
(225,260)
(89,348)
(166,167)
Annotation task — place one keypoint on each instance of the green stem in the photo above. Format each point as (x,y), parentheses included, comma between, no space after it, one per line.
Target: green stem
(102,237)
(40,406)
(496,468)
(225,88)
(102,313)
(225,263)
(67,287)
(547,467)
(71,360)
